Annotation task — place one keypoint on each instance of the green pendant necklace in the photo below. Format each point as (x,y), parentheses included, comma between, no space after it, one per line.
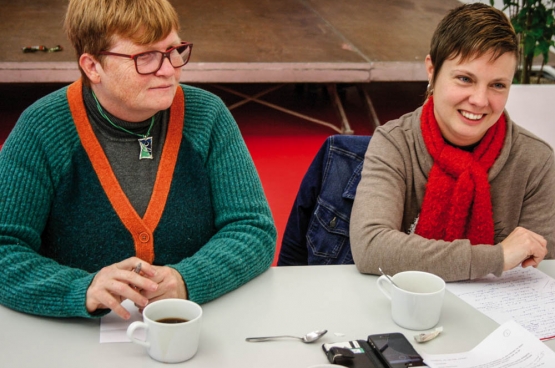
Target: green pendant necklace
(145,140)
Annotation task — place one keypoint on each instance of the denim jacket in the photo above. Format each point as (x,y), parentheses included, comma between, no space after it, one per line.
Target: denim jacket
(317,232)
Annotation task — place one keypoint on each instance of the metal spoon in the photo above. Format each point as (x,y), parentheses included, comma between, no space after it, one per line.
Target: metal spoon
(308,338)
(390,279)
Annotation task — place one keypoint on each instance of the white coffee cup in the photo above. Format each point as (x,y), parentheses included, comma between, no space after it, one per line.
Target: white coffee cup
(169,342)
(416,298)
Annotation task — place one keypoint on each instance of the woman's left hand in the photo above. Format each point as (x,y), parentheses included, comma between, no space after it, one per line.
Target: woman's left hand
(170,285)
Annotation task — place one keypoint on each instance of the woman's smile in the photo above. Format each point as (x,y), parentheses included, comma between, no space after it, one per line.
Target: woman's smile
(471,116)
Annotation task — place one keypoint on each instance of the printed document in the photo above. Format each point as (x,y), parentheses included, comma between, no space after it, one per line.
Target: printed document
(510,345)
(525,295)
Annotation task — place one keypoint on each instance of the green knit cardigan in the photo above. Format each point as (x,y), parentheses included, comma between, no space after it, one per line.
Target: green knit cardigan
(58,226)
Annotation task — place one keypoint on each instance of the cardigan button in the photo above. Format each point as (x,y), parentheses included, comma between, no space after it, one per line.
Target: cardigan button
(144,237)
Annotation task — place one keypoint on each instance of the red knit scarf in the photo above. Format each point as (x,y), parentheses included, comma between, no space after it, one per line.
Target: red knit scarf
(457,202)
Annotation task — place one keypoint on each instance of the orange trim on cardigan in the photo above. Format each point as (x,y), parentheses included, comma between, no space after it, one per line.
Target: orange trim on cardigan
(141,229)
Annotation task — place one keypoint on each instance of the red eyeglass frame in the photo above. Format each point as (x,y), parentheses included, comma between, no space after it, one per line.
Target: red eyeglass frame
(165,54)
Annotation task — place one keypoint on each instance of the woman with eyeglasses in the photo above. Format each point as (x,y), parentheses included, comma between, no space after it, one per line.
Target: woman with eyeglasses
(456,188)
(127,184)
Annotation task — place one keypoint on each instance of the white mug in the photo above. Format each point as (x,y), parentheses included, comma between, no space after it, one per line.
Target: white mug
(169,342)
(416,298)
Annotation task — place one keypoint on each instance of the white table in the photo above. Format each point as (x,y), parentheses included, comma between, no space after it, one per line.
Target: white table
(284,300)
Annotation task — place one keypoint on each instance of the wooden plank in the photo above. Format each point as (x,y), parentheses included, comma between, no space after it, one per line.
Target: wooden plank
(392,30)
(320,41)
(240,31)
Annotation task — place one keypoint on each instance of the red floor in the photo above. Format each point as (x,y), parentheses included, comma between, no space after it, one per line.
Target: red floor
(282,145)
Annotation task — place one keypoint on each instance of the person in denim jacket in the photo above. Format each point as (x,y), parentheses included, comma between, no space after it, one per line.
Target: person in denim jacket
(317,231)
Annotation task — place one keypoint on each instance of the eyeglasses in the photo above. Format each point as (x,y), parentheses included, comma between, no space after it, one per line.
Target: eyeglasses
(150,62)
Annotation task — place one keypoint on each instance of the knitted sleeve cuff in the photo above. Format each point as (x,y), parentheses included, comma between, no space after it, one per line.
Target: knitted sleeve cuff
(76,298)
(486,259)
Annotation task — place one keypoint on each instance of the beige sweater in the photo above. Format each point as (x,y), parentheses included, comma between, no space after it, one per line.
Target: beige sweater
(390,194)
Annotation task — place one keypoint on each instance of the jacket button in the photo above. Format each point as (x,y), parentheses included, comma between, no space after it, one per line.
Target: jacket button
(333,222)
(144,237)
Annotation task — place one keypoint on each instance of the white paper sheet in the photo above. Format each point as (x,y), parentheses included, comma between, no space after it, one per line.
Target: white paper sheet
(113,328)
(525,295)
(510,345)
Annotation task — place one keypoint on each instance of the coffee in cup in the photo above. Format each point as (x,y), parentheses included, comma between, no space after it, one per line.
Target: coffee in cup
(416,298)
(172,320)
(172,330)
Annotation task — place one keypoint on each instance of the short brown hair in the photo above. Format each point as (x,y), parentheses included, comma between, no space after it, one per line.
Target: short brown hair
(470,31)
(91,24)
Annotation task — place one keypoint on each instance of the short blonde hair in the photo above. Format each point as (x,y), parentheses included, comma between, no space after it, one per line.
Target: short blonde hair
(91,25)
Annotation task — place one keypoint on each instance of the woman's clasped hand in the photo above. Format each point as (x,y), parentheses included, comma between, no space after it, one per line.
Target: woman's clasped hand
(115,283)
(524,247)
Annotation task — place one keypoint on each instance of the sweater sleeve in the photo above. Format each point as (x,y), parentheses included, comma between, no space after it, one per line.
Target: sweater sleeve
(535,190)
(30,282)
(244,243)
(385,198)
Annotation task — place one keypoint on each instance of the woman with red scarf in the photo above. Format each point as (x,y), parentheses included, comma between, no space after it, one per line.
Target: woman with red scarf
(456,188)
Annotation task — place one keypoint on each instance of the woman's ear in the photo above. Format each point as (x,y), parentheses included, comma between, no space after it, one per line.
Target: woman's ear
(429,69)
(91,67)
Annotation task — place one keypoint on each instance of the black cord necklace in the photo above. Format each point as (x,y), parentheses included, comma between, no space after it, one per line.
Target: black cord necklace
(145,140)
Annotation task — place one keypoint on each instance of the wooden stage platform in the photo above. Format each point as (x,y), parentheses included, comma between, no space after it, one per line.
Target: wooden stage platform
(286,41)
(254,41)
